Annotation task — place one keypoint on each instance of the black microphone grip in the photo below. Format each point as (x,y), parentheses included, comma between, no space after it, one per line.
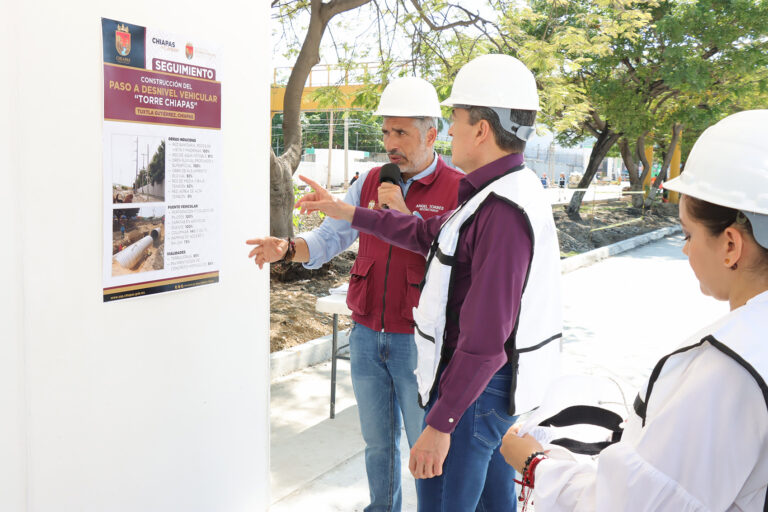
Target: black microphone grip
(389,173)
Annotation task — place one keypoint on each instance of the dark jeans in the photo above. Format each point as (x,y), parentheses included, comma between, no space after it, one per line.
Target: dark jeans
(475,475)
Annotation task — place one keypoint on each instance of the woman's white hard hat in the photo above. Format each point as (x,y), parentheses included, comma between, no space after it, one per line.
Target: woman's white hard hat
(728,166)
(409,96)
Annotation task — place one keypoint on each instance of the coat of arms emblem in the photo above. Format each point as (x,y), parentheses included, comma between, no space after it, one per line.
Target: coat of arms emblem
(189,51)
(123,40)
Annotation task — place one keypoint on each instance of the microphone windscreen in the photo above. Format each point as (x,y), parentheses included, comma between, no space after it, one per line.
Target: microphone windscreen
(390,173)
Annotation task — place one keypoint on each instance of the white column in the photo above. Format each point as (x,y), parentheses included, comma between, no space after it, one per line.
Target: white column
(96,415)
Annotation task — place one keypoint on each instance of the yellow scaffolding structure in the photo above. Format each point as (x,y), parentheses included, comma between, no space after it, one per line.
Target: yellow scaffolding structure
(326,79)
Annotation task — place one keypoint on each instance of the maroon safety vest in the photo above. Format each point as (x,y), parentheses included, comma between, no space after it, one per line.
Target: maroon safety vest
(384,281)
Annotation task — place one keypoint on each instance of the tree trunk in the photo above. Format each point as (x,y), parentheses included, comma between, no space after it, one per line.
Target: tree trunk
(677,129)
(281,168)
(630,162)
(607,138)
(280,196)
(640,149)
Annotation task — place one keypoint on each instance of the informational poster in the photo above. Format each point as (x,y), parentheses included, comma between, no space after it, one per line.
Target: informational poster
(162,161)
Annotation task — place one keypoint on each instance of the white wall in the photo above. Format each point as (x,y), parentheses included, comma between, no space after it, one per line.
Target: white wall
(152,404)
(156,189)
(12,415)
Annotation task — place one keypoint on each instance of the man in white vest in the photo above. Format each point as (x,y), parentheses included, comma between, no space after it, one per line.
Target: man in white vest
(489,316)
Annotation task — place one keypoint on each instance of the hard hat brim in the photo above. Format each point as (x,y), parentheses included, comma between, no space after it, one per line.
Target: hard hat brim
(759,227)
(699,189)
(397,113)
(462,103)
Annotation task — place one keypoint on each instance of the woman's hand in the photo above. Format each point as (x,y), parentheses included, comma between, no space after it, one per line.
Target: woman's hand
(516,449)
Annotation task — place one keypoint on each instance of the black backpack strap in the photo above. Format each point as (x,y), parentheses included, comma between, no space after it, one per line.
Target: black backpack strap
(586,415)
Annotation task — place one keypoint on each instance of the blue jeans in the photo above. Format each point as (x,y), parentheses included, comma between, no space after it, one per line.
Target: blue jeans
(385,386)
(475,475)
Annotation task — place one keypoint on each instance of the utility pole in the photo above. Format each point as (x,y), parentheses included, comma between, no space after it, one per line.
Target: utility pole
(330,148)
(551,160)
(346,148)
(136,178)
(145,161)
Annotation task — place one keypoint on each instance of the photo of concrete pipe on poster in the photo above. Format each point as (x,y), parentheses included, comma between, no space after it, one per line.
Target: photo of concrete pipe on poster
(162,161)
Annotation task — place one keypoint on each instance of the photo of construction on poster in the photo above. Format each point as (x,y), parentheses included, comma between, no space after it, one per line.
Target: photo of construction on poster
(138,239)
(162,161)
(138,169)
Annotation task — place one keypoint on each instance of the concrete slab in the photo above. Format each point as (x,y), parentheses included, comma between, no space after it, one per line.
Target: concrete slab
(304,442)
(624,313)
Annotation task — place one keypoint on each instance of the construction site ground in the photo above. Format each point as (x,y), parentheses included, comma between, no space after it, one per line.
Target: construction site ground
(118,196)
(294,290)
(152,259)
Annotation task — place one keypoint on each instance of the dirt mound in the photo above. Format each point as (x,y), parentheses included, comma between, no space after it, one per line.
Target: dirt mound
(608,223)
(294,291)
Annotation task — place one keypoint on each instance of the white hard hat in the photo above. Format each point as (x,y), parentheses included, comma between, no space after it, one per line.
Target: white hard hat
(728,166)
(409,96)
(499,82)
(494,81)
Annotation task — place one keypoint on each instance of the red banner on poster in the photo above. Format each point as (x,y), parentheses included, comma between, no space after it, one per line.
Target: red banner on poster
(139,95)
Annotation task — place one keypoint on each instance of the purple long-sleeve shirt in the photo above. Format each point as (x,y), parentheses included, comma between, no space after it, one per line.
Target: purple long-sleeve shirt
(492,259)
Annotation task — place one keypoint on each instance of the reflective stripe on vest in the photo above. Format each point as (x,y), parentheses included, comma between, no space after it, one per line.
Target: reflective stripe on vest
(540,314)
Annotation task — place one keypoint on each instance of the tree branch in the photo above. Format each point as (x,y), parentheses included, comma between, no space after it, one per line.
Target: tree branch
(632,71)
(599,123)
(335,7)
(669,95)
(709,53)
(591,129)
(473,18)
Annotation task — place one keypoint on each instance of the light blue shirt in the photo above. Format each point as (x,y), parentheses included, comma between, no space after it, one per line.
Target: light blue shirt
(333,236)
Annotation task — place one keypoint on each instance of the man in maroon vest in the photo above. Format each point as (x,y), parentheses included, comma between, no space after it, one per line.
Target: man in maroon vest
(384,282)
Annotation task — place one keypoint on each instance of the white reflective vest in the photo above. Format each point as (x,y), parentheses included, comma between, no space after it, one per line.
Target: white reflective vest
(539,322)
(698,438)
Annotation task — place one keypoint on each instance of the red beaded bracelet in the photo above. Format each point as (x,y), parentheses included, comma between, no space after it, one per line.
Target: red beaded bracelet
(528,477)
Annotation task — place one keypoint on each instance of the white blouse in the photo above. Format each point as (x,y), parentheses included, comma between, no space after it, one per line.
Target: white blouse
(704,445)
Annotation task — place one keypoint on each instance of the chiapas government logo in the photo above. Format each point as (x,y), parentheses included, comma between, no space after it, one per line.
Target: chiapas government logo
(123,40)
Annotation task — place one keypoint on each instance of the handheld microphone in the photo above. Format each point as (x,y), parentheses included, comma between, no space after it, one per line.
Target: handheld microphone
(389,173)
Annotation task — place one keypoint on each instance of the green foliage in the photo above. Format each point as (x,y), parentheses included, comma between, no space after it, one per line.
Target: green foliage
(443,147)
(155,171)
(296,216)
(634,67)
(364,131)
(329,97)
(157,165)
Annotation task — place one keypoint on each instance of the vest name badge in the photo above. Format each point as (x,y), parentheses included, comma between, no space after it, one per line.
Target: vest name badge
(432,208)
